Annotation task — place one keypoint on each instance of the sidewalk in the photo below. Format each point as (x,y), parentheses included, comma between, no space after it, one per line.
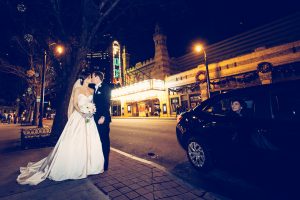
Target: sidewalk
(11,190)
(128,177)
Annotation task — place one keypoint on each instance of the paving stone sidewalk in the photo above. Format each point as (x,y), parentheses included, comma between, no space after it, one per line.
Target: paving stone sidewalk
(128,178)
(10,162)
(74,190)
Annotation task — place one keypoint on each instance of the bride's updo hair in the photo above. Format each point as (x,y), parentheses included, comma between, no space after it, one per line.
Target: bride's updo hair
(83,75)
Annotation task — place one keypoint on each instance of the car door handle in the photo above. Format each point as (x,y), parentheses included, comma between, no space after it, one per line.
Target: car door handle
(210,124)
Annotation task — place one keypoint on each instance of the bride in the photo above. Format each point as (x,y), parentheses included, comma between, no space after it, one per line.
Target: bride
(78,152)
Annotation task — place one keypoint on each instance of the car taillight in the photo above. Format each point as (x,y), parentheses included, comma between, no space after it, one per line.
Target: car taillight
(179,117)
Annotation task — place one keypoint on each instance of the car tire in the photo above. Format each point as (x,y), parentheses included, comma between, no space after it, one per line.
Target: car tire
(199,154)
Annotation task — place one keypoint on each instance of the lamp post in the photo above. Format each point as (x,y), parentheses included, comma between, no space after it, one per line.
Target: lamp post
(198,49)
(43,90)
(58,50)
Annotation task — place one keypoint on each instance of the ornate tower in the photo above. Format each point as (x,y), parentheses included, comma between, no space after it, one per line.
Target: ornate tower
(125,62)
(161,57)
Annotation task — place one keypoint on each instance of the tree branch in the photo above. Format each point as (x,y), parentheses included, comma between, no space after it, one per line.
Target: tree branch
(56,11)
(12,69)
(124,10)
(100,20)
(18,41)
(101,6)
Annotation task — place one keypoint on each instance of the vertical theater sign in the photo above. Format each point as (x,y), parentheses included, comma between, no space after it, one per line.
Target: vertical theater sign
(117,70)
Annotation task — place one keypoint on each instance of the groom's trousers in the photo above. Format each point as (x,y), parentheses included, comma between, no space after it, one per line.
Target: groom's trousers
(104,136)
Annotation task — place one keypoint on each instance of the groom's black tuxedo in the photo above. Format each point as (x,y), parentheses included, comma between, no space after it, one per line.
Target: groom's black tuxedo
(101,100)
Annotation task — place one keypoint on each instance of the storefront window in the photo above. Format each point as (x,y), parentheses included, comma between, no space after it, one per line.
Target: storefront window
(174,104)
(116,108)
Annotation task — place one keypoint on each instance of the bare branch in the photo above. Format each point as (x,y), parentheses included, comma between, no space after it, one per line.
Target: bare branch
(100,20)
(56,11)
(12,69)
(123,11)
(18,41)
(101,6)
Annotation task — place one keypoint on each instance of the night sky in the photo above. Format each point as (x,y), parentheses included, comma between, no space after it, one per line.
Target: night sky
(183,21)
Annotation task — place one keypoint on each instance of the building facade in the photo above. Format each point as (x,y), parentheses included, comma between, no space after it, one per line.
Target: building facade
(164,86)
(262,66)
(144,93)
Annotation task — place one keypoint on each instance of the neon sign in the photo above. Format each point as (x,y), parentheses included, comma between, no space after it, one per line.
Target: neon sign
(116,62)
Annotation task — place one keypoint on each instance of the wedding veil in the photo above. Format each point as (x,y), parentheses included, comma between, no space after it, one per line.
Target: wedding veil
(71,105)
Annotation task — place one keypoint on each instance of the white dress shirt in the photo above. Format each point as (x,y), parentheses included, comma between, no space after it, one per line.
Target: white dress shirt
(97,86)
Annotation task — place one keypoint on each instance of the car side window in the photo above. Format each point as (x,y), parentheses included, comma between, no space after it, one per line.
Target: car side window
(287,106)
(219,107)
(232,106)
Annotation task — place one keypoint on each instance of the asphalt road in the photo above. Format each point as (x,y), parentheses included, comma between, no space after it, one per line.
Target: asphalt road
(148,136)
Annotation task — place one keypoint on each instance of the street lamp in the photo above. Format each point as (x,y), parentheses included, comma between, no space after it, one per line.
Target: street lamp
(198,48)
(59,50)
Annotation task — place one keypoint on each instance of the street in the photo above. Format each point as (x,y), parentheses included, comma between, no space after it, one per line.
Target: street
(9,141)
(157,137)
(155,140)
(142,137)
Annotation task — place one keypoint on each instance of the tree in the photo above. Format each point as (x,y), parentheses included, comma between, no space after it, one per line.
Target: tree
(31,74)
(80,26)
(92,18)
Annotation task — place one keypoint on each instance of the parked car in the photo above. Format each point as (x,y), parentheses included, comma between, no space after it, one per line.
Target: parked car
(268,129)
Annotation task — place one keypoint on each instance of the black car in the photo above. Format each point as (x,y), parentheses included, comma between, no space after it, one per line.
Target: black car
(267,127)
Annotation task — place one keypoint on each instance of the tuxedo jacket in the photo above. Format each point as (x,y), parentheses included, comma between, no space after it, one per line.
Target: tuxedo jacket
(101,100)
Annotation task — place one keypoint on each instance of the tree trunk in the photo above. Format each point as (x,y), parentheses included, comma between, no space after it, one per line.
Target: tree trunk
(34,122)
(29,115)
(36,111)
(61,116)
(36,107)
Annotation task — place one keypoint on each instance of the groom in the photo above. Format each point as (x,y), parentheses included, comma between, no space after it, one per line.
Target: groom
(102,116)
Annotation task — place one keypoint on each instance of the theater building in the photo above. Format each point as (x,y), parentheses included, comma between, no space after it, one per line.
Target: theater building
(144,93)
(265,55)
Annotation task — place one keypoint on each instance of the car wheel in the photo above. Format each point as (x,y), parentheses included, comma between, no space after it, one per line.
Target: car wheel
(199,154)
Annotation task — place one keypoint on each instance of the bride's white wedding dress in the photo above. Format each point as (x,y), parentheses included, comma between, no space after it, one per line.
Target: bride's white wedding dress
(77,154)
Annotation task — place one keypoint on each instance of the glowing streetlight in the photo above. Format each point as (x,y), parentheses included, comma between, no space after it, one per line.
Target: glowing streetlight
(198,49)
(59,49)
